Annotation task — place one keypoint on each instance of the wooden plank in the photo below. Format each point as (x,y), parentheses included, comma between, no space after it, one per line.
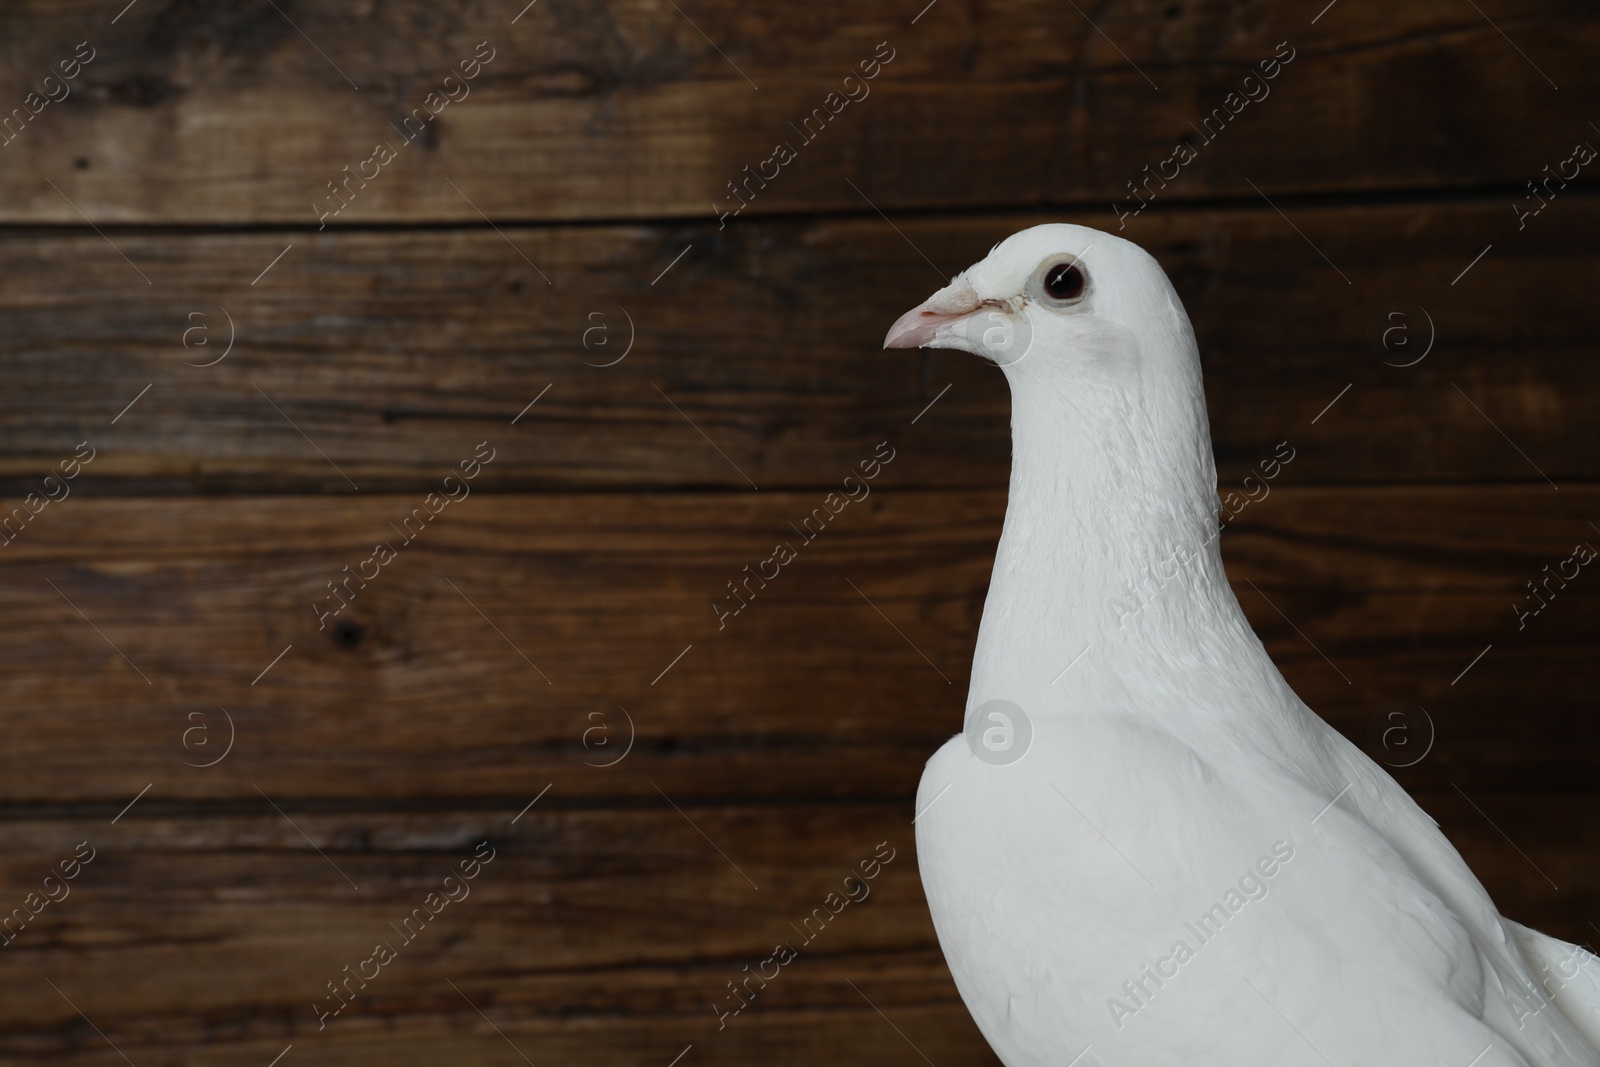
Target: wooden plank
(580,921)
(592,935)
(477,661)
(1533,852)
(633,110)
(1381,602)
(395,354)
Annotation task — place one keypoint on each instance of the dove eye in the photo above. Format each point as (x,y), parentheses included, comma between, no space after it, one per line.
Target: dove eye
(1059,281)
(1064,281)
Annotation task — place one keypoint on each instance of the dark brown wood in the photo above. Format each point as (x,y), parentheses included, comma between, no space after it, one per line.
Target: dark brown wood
(420,689)
(1531,851)
(610,931)
(397,353)
(220,933)
(234,114)
(166,605)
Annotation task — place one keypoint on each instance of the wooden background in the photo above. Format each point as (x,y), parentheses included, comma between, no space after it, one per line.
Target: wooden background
(165,606)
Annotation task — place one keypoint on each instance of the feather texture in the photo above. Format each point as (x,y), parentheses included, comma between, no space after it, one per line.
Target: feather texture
(1185,865)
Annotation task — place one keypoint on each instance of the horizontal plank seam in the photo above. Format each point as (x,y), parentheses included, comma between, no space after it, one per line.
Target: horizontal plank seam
(154,810)
(1421,196)
(113,487)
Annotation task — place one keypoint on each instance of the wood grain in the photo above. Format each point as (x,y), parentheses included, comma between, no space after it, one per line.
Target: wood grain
(215,933)
(380,360)
(582,921)
(243,113)
(166,212)
(513,627)
(592,934)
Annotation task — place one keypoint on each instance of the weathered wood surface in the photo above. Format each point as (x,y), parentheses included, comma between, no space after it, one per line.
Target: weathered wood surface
(592,935)
(588,933)
(1384,571)
(396,353)
(419,688)
(242,113)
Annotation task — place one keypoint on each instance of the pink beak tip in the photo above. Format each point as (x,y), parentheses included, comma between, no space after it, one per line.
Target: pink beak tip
(900,336)
(916,328)
(909,330)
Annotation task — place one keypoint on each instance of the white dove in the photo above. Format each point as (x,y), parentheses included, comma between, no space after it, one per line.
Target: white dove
(1185,866)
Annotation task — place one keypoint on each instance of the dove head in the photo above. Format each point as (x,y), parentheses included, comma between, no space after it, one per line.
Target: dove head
(1094,342)
(1111,454)
(1061,302)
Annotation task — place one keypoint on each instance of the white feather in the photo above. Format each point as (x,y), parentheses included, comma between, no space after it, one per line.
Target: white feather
(1171,763)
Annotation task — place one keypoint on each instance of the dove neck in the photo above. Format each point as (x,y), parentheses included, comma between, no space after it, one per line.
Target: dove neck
(1110,544)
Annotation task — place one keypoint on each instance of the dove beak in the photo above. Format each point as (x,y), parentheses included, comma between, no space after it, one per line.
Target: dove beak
(917,327)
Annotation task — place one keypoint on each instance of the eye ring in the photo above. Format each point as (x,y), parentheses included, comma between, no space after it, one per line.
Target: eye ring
(1061,281)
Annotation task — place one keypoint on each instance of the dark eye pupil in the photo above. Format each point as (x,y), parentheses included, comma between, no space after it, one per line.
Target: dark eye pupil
(1064,281)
